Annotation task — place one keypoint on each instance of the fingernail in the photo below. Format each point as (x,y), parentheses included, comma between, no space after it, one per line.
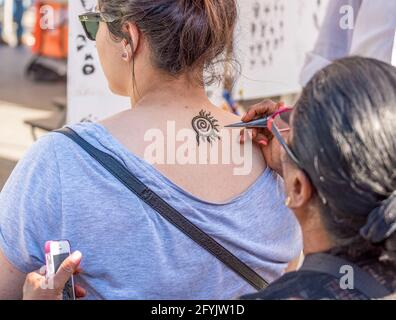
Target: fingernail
(76,256)
(263,143)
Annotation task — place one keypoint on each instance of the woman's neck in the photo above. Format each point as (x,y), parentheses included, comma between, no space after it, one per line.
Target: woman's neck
(316,238)
(159,90)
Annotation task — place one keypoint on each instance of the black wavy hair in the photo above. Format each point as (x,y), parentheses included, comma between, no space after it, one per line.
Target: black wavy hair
(344,133)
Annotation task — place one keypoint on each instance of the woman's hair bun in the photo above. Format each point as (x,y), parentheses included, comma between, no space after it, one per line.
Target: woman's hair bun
(381,223)
(185,36)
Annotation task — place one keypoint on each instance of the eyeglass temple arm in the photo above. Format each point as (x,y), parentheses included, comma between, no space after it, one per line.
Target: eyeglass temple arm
(282,141)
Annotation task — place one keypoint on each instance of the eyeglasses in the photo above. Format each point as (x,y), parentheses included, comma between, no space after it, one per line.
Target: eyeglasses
(278,123)
(90,22)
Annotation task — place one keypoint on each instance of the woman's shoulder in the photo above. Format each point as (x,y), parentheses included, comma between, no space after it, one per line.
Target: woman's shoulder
(49,142)
(42,161)
(34,184)
(66,148)
(37,180)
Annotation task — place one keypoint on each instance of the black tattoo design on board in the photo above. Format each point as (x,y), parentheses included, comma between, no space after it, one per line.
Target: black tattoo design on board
(206,127)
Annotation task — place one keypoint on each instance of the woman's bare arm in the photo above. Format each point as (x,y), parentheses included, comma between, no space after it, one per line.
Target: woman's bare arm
(11,280)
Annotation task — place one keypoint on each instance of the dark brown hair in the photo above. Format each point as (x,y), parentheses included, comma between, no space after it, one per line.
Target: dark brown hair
(185,36)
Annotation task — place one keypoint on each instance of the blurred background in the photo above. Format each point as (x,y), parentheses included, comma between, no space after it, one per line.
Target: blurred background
(32,77)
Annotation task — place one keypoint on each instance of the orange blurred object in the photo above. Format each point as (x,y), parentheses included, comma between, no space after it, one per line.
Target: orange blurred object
(51,42)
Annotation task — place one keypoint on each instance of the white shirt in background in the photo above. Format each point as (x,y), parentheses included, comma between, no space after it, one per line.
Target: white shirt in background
(373,35)
(394,51)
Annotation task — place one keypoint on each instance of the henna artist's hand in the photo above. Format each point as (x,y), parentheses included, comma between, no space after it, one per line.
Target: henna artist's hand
(263,137)
(38,287)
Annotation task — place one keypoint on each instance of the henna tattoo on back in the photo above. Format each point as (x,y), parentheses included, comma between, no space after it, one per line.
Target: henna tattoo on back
(206,127)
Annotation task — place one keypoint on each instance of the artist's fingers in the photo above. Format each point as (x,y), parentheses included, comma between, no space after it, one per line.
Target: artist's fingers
(245,134)
(255,132)
(242,136)
(262,140)
(261,109)
(257,135)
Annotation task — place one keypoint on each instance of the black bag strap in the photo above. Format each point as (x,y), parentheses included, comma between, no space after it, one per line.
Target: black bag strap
(331,265)
(167,211)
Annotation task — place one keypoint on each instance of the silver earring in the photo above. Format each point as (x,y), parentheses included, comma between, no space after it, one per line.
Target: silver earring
(125,55)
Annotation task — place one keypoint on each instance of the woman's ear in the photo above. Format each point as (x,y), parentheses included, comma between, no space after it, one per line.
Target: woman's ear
(301,191)
(130,49)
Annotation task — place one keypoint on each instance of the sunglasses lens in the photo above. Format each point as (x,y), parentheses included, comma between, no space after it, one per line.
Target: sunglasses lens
(91,28)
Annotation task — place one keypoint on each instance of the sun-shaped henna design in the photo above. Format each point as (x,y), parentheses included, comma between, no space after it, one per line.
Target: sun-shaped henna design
(206,127)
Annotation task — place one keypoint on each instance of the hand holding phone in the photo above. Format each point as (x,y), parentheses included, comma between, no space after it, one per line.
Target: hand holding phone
(51,285)
(55,253)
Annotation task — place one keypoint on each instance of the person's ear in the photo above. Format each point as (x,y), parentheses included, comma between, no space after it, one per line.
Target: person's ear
(301,191)
(130,48)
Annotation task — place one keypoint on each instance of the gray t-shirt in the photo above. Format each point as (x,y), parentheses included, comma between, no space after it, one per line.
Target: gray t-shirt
(57,191)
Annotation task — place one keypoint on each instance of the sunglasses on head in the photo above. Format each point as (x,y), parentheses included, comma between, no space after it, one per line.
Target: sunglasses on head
(90,22)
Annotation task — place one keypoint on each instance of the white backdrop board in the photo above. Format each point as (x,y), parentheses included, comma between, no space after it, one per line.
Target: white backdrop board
(88,95)
(272,39)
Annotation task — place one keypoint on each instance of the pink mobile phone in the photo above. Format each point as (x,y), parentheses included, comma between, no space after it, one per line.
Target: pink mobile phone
(55,253)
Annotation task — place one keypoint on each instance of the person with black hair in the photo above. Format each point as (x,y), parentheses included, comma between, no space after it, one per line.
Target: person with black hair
(339,167)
